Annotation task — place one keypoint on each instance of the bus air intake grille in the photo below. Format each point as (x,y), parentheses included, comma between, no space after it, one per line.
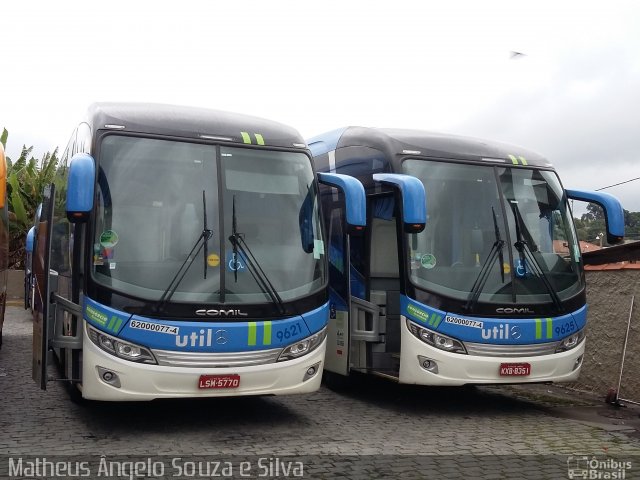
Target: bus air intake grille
(533,350)
(170,358)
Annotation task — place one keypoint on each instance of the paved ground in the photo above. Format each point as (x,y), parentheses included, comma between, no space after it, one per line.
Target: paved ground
(374,430)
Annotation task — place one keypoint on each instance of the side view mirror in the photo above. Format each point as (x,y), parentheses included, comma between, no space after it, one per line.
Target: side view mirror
(414,199)
(613,212)
(30,238)
(80,187)
(355,199)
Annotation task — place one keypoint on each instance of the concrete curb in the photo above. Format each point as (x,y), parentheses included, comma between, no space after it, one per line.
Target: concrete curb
(15,287)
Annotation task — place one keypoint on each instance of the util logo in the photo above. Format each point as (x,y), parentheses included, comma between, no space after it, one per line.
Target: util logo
(502,332)
(204,338)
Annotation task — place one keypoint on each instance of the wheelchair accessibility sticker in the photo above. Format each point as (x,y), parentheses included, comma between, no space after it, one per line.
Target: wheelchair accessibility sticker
(521,268)
(236,262)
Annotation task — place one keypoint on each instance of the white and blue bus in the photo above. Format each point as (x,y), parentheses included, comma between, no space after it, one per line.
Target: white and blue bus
(488,288)
(182,254)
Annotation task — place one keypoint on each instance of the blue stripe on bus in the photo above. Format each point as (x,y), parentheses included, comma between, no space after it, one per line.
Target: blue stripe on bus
(316,319)
(205,336)
(499,331)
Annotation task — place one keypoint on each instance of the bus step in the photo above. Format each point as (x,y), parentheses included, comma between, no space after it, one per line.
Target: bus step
(387,375)
(51,378)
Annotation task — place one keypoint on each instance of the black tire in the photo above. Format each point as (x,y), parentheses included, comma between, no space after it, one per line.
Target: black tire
(27,297)
(336,382)
(75,395)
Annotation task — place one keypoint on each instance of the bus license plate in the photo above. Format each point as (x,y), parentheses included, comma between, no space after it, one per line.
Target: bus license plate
(219,381)
(515,369)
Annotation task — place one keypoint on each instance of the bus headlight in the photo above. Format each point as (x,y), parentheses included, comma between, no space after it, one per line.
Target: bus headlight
(571,341)
(438,340)
(121,349)
(304,346)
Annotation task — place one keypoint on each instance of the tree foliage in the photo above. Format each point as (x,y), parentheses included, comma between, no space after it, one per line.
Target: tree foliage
(594,213)
(591,226)
(26,179)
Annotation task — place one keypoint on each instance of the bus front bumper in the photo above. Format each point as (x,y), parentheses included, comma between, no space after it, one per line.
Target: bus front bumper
(460,369)
(139,382)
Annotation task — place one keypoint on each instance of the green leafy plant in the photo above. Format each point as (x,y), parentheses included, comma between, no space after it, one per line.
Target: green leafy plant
(26,178)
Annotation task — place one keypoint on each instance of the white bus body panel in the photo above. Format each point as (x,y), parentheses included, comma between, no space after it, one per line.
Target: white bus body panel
(459,369)
(147,382)
(337,357)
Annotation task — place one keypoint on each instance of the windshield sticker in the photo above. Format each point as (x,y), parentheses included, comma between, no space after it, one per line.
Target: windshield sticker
(521,268)
(98,259)
(415,258)
(318,248)
(428,261)
(213,260)
(112,265)
(102,255)
(108,239)
(105,253)
(465,322)
(154,327)
(235,262)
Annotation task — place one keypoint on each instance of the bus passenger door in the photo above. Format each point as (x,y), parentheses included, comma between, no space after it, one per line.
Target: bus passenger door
(392,216)
(346,206)
(337,355)
(357,321)
(384,290)
(42,277)
(346,297)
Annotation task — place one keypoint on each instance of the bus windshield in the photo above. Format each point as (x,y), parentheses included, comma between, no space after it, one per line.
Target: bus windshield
(494,234)
(260,206)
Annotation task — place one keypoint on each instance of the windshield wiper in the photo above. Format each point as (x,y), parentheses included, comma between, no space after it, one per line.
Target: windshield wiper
(526,256)
(483,275)
(258,274)
(205,231)
(201,242)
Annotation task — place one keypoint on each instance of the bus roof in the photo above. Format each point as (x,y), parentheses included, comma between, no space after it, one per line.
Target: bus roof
(192,122)
(425,144)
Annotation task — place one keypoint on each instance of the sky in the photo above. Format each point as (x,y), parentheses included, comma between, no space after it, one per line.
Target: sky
(572,93)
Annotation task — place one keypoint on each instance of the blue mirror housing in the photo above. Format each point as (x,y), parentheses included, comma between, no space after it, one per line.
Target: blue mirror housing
(355,199)
(414,199)
(36,220)
(80,187)
(30,236)
(613,212)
